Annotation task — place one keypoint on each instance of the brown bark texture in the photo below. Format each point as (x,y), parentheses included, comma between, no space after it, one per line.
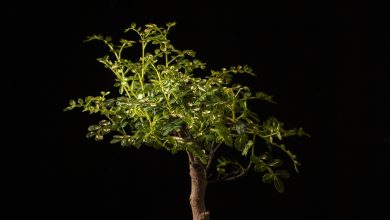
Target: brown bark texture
(198,189)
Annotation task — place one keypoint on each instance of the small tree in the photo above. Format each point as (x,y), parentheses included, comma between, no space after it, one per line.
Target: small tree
(162,104)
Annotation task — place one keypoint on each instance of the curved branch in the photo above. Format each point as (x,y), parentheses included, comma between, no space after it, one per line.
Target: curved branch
(241,174)
(233,177)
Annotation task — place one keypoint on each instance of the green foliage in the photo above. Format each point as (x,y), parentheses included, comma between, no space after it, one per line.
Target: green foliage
(160,103)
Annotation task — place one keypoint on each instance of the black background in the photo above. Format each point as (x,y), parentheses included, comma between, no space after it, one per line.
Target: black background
(324,64)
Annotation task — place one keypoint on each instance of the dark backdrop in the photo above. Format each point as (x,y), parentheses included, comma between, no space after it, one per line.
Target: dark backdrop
(322,63)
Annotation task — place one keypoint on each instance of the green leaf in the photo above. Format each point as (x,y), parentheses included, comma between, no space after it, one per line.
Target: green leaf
(248,146)
(168,130)
(105,130)
(268,178)
(275,163)
(114,141)
(171,24)
(283,174)
(260,167)
(229,141)
(172,126)
(208,140)
(90,134)
(240,141)
(125,142)
(240,128)
(104,123)
(255,159)
(261,95)
(94,127)
(98,137)
(94,37)
(265,156)
(247,94)
(279,136)
(137,143)
(278,183)
(223,134)
(68,108)
(264,96)
(301,132)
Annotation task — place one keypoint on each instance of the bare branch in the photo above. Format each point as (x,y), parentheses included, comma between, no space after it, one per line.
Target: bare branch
(190,157)
(241,174)
(211,156)
(233,176)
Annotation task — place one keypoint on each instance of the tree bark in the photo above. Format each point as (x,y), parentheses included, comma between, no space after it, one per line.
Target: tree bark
(198,189)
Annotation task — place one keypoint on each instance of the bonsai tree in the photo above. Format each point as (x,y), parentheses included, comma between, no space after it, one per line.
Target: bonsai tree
(161,103)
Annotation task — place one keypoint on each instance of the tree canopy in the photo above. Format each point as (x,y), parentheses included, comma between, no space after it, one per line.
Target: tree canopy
(161,102)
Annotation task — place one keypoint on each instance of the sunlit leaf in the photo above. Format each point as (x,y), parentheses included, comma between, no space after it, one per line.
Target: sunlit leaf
(248,146)
(104,122)
(98,137)
(94,127)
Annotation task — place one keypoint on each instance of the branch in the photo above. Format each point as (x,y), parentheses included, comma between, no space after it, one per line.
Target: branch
(190,158)
(211,156)
(243,173)
(233,177)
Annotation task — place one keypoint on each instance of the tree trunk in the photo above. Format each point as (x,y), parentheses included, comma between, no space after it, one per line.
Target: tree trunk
(198,189)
